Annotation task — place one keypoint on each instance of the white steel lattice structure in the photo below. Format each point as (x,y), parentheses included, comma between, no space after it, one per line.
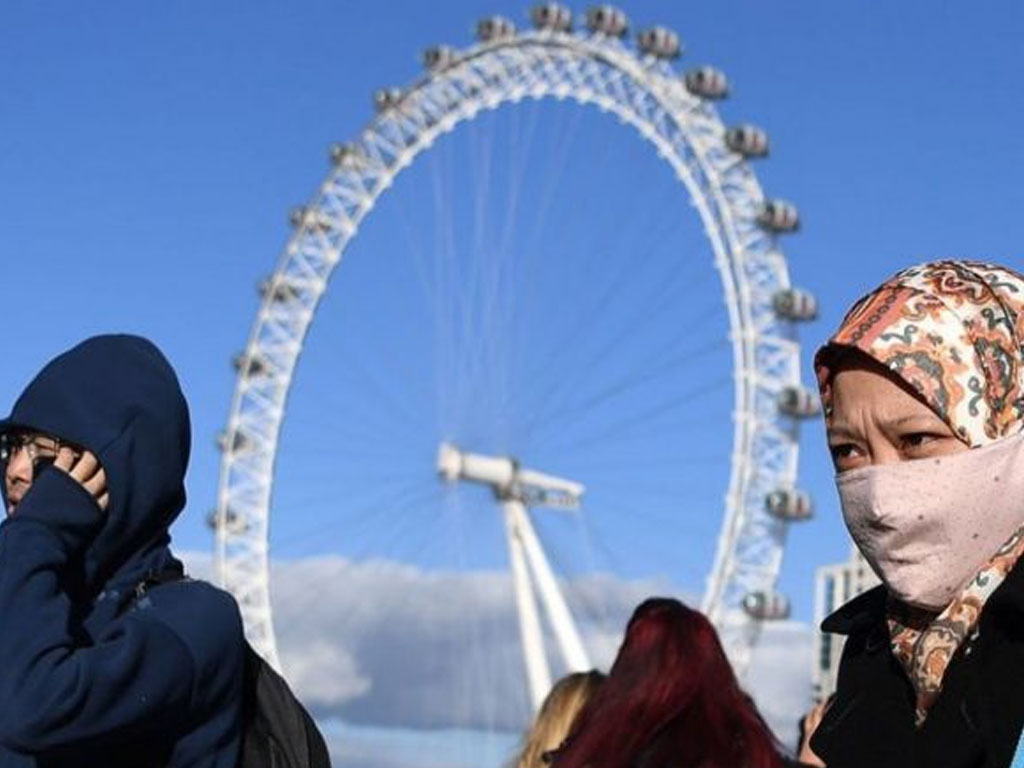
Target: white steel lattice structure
(641,88)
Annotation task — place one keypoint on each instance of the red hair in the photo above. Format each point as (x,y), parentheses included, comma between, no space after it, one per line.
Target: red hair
(671,699)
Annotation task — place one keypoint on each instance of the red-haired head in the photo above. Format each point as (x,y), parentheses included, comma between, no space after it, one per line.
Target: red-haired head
(671,699)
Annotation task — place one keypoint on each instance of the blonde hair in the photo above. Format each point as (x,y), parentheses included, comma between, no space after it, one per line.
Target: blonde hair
(557,714)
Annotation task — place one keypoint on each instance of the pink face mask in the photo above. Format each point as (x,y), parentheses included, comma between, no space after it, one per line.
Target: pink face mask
(927,526)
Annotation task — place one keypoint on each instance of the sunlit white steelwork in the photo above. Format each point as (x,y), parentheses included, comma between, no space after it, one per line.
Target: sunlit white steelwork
(516,489)
(641,88)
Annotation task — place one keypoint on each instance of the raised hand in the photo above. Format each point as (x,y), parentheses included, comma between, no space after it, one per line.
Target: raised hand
(85,468)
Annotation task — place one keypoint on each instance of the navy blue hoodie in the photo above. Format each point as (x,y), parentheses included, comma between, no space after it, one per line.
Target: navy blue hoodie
(90,675)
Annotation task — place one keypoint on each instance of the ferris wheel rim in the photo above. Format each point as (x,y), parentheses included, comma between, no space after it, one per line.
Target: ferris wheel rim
(729,223)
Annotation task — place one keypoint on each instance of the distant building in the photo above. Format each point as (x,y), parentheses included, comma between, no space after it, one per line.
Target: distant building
(835,585)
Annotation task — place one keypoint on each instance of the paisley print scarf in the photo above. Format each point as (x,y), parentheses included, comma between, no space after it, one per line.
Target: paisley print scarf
(953,331)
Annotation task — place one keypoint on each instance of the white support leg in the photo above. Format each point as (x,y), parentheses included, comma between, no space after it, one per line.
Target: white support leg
(573,652)
(538,674)
(516,487)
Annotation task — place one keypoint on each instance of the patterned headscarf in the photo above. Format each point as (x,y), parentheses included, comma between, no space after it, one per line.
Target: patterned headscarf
(954,332)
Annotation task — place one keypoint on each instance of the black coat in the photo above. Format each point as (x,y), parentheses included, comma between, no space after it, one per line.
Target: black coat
(976,721)
(93,675)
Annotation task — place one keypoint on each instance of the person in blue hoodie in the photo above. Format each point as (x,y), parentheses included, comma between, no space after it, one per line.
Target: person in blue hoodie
(110,657)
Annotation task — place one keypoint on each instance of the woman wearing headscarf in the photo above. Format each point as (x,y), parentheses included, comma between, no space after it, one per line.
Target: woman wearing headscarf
(923,390)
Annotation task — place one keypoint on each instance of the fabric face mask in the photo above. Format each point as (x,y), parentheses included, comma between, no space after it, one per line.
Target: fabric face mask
(927,526)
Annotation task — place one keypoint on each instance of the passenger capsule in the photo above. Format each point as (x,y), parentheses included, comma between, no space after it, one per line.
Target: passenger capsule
(552,17)
(779,216)
(747,140)
(250,365)
(297,215)
(766,606)
(795,304)
(494,28)
(301,216)
(386,98)
(789,505)
(798,402)
(281,292)
(438,57)
(233,521)
(707,83)
(235,442)
(659,42)
(345,155)
(607,20)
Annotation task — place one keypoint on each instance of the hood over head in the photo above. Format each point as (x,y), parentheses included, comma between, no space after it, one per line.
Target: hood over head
(118,397)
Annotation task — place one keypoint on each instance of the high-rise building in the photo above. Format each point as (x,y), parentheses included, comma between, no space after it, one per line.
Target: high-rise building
(835,585)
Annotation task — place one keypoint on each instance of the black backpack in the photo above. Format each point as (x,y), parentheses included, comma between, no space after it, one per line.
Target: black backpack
(277,731)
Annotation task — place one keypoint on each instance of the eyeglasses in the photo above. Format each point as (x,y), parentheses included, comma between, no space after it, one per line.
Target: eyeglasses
(41,449)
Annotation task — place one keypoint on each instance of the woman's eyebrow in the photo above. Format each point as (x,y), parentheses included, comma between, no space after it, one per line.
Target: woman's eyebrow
(921,419)
(844,431)
(841,431)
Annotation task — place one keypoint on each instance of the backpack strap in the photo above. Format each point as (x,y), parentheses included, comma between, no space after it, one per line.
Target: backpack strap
(156,577)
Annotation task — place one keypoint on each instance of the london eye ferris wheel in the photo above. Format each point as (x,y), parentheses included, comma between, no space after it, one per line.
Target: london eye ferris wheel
(531,341)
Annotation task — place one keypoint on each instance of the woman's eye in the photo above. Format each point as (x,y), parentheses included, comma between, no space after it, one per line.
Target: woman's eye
(920,439)
(843,454)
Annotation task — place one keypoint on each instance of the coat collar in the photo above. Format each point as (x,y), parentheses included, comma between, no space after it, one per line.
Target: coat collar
(868,609)
(859,614)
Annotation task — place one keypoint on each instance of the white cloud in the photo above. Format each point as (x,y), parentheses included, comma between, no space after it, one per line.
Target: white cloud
(389,645)
(325,672)
(779,677)
(423,649)
(368,747)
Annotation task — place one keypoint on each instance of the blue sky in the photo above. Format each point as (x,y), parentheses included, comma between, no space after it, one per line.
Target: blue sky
(149,155)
